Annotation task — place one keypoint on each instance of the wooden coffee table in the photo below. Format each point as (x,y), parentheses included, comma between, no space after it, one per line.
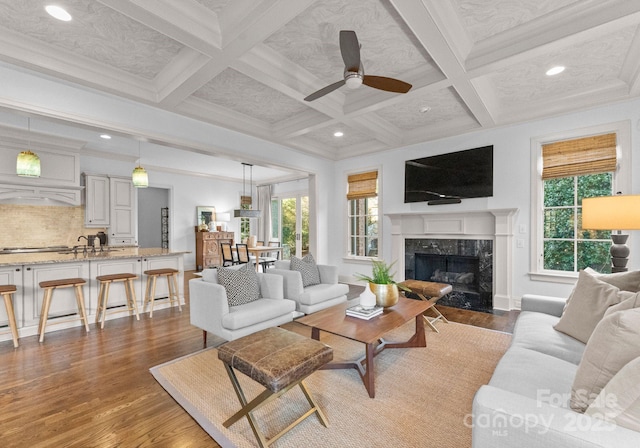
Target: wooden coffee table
(370,332)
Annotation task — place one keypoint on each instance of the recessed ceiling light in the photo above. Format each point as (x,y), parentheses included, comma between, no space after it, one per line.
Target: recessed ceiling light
(555,70)
(58,12)
(105,136)
(338,134)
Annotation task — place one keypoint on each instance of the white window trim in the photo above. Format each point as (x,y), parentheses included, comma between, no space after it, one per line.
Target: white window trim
(347,256)
(621,182)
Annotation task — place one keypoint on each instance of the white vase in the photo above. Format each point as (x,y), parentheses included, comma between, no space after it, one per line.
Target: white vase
(367,298)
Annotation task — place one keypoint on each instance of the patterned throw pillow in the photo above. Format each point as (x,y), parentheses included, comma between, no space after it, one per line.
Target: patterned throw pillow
(242,285)
(307,268)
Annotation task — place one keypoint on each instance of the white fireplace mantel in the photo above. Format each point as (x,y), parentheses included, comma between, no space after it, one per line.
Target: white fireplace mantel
(495,224)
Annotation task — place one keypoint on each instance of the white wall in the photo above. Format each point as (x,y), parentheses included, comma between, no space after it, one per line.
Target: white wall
(22,90)
(512,174)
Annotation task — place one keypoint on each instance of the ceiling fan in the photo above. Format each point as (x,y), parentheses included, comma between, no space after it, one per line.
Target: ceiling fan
(354,73)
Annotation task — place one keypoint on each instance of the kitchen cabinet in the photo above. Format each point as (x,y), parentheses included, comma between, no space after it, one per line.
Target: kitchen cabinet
(123,212)
(12,275)
(64,299)
(208,251)
(97,204)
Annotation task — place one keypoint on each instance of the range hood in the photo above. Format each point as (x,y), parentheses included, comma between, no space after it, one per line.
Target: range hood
(37,195)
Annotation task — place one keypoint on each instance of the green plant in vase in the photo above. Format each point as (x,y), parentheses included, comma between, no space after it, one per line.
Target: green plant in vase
(382,284)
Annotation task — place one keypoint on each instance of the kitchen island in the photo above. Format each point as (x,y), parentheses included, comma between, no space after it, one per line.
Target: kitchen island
(27,270)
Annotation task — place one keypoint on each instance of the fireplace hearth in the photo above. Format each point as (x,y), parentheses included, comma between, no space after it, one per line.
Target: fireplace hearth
(467,265)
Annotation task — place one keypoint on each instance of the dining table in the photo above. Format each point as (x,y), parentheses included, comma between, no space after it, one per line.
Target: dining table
(260,251)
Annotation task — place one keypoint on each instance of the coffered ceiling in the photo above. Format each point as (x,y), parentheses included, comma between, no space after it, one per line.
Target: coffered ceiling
(247,64)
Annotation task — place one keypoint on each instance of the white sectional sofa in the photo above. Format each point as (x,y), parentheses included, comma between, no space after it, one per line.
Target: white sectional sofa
(527,403)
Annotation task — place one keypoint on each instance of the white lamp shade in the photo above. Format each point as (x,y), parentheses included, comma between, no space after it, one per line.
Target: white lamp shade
(611,213)
(140,178)
(28,164)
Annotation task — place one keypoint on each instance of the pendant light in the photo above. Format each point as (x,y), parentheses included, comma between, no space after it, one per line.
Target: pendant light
(139,177)
(247,200)
(28,163)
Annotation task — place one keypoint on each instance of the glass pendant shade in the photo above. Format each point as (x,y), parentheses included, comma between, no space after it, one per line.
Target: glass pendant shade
(28,164)
(140,178)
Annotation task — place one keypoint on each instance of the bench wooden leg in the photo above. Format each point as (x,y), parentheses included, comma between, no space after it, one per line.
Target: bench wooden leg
(265,397)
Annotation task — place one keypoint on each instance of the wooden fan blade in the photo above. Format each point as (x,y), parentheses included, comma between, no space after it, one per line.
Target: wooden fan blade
(350,49)
(388,84)
(322,92)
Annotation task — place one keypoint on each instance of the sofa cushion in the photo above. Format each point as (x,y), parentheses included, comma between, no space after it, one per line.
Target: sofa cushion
(619,400)
(307,268)
(258,311)
(242,285)
(613,344)
(535,375)
(535,331)
(322,292)
(587,305)
(625,281)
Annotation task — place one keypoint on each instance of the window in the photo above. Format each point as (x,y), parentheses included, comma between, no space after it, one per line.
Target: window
(245,223)
(574,167)
(362,199)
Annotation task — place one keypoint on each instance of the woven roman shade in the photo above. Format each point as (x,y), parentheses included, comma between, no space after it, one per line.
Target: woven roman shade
(363,185)
(245,200)
(588,155)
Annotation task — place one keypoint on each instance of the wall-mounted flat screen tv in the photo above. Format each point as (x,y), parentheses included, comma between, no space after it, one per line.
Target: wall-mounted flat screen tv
(450,177)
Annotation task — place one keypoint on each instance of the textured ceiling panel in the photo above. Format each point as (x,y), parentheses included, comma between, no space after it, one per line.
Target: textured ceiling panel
(96,32)
(233,90)
(589,64)
(476,64)
(485,18)
(311,40)
(444,105)
(325,137)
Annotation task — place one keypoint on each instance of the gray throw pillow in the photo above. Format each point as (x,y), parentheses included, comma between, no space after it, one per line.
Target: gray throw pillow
(307,268)
(585,308)
(242,285)
(613,344)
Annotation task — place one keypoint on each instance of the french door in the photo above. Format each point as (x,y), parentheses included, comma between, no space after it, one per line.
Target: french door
(290,217)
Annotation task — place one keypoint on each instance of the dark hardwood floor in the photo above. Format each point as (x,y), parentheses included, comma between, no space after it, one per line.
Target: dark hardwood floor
(95,390)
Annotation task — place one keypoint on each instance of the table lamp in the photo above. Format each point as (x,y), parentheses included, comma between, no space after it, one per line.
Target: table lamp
(620,212)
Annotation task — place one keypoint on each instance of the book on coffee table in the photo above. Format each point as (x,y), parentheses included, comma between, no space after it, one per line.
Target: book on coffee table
(362,313)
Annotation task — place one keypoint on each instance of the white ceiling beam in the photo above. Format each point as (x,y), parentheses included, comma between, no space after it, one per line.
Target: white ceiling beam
(558,30)
(630,72)
(31,53)
(421,20)
(256,27)
(196,27)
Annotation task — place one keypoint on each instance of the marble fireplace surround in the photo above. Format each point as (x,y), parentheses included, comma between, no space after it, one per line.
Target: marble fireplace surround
(491,224)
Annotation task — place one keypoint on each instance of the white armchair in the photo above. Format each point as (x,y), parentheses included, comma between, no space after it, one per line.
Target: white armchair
(314,297)
(210,309)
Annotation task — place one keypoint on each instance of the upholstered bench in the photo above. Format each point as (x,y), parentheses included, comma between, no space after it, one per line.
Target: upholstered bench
(430,292)
(279,360)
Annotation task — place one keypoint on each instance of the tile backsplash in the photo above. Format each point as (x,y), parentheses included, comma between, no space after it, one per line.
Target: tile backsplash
(42,225)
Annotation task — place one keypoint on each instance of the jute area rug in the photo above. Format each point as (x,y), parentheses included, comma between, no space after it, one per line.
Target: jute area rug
(423,395)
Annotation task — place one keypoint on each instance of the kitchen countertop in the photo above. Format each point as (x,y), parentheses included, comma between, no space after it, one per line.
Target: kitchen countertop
(112,254)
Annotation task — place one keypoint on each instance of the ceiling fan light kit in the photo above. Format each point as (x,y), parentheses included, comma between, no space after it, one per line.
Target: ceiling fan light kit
(354,75)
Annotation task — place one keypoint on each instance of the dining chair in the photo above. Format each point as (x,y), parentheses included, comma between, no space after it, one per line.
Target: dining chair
(270,258)
(243,254)
(227,255)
